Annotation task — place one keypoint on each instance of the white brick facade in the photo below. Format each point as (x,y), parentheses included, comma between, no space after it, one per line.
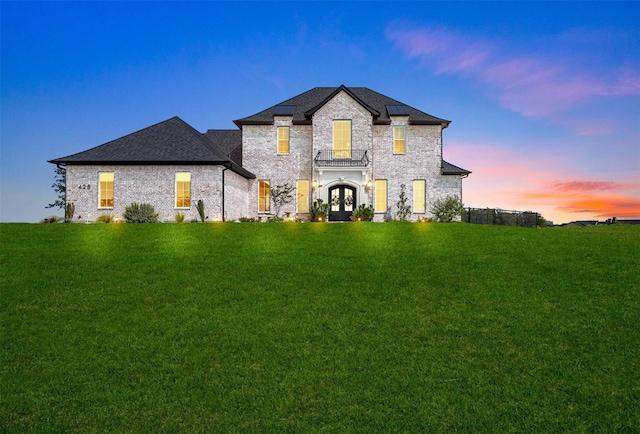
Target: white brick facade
(421,161)
(154,185)
(308,137)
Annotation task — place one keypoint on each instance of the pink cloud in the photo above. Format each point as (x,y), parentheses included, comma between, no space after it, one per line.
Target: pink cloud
(534,85)
(589,186)
(449,51)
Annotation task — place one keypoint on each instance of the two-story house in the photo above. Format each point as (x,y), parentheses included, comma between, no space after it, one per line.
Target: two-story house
(346,146)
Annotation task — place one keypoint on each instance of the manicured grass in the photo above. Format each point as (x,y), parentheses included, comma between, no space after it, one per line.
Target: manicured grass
(319,328)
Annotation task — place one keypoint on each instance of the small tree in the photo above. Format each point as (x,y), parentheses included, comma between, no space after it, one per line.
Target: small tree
(404,210)
(280,196)
(60,186)
(447,210)
(200,208)
(69,210)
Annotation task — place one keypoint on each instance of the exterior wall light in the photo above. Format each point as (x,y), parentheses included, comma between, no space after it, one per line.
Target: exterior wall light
(368,186)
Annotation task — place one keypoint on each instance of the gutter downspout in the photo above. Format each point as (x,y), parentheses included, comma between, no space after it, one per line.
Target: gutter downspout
(227,166)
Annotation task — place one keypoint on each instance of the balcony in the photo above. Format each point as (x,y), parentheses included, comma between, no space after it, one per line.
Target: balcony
(351,158)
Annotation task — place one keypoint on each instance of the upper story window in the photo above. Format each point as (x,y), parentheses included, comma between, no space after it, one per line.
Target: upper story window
(105,190)
(183,190)
(283,140)
(264,196)
(399,140)
(342,139)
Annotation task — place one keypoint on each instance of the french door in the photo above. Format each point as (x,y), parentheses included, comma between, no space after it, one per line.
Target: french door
(342,199)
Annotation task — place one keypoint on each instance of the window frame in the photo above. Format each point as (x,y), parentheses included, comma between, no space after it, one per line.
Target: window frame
(306,207)
(376,193)
(176,190)
(342,153)
(264,203)
(279,140)
(423,197)
(101,191)
(403,140)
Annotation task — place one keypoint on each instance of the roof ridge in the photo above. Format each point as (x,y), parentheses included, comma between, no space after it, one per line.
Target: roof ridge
(118,138)
(342,88)
(204,140)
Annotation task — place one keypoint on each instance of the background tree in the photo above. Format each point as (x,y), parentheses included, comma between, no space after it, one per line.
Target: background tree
(281,195)
(60,186)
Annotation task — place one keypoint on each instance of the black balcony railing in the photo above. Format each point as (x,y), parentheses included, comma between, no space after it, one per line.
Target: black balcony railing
(342,158)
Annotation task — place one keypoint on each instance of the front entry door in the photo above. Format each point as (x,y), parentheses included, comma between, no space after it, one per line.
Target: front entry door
(342,200)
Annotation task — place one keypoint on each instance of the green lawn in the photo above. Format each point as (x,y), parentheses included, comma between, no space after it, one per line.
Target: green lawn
(319,328)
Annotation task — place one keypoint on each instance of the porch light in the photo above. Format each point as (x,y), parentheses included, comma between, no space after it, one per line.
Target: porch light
(314,184)
(368,185)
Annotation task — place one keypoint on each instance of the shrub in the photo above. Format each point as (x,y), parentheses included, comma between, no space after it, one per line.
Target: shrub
(200,208)
(179,217)
(447,210)
(140,213)
(106,218)
(52,219)
(247,219)
(363,213)
(69,210)
(319,211)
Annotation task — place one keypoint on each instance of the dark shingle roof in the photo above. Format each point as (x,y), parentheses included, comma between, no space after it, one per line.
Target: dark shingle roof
(308,102)
(228,141)
(450,169)
(169,142)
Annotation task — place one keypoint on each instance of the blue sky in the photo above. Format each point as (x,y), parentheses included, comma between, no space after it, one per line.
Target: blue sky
(544,97)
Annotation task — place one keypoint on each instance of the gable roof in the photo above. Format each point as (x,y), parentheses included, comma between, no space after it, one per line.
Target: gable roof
(449,169)
(169,142)
(307,103)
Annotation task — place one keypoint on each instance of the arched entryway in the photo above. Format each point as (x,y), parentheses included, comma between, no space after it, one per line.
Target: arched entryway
(342,200)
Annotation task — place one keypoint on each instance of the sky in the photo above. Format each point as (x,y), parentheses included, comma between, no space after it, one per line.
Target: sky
(544,97)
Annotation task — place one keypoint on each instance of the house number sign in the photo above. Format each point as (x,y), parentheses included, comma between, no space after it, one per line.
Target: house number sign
(84,187)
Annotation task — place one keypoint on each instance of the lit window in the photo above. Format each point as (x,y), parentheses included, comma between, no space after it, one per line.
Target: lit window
(335,199)
(342,139)
(398,140)
(183,190)
(303,195)
(283,140)
(381,195)
(105,195)
(264,200)
(418,195)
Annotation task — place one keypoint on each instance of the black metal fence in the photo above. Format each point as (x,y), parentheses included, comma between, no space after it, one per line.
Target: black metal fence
(490,216)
